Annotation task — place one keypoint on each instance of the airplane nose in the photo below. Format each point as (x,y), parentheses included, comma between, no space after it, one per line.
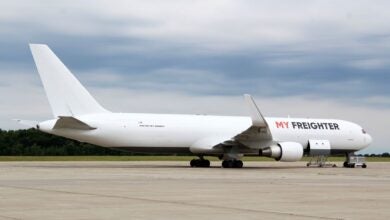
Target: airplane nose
(368,139)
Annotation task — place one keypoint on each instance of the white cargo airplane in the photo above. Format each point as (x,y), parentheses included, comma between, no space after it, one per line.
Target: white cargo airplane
(78,116)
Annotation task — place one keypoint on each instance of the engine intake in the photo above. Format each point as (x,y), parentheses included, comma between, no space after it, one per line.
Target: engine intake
(284,151)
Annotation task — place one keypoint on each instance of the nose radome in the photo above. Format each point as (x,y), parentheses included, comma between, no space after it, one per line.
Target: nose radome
(368,139)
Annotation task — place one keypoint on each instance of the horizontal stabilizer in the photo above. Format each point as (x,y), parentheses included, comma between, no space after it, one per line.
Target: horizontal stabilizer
(28,123)
(71,123)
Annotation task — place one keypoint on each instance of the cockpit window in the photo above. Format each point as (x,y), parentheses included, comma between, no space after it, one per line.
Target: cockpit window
(364,131)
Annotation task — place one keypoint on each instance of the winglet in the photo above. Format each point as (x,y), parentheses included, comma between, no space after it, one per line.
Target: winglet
(257,118)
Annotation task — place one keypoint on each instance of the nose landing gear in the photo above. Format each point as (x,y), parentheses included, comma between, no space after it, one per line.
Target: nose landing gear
(353,161)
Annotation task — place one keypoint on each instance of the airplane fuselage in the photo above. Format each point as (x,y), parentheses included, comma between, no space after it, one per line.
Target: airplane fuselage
(177,133)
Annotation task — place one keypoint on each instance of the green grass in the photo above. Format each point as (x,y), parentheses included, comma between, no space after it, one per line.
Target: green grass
(154,158)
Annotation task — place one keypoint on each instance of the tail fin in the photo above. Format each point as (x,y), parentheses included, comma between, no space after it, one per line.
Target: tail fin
(67,97)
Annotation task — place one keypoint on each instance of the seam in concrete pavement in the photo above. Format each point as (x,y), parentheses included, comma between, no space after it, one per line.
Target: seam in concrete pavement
(170,202)
(8,217)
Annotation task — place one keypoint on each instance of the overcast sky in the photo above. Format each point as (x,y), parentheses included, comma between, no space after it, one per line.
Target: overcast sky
(328,59)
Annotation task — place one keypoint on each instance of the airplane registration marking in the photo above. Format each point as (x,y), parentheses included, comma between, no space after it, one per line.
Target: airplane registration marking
(308,125)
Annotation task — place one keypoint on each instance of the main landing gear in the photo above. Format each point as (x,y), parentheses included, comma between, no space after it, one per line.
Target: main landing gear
(200,162)
(232,164)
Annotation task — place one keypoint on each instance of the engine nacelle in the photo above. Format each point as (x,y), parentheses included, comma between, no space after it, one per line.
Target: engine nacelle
(284,151)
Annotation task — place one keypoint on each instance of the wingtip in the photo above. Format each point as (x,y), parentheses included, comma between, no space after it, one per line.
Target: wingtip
(247,97)
(33,45)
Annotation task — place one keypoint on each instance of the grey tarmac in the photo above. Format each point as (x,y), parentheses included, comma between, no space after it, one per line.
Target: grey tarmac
(173,190)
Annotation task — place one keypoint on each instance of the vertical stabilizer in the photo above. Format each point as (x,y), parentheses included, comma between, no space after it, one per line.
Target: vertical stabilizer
(67,97)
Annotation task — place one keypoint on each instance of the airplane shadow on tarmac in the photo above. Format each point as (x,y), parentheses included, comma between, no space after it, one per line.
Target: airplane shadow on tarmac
(159,166)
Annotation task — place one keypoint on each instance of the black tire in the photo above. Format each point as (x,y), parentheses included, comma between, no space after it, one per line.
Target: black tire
(199,163)
(231,163)
(205,163)
(345,164)
(239,164)
(224,164)
(364,166)
(193,163)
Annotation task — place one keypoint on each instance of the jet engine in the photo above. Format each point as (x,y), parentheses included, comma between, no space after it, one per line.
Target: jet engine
(284,151)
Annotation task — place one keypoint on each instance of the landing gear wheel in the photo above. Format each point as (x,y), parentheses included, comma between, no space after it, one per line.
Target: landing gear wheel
(192,163)
(232,164)
(206,163)
(200,163)
(238,164)
(224,163)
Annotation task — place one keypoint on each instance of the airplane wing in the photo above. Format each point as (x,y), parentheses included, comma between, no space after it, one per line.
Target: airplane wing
(259,132)
(256,136)
(211,144)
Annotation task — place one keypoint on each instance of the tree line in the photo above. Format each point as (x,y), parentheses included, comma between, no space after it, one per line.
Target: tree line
(32,142)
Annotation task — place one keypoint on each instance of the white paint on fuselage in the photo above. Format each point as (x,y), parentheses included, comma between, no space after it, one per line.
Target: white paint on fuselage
(181,131)
(349,136)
